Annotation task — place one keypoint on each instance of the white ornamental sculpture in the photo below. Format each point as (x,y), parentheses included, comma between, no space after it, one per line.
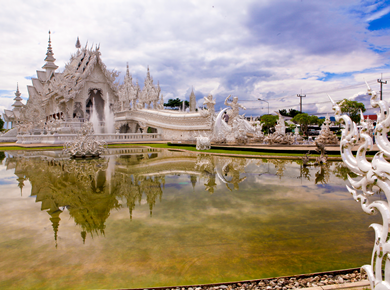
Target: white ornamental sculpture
(128,92)
(258,136)
(279,136)
(85,145)
(236,129)
(326,135)
(203,142)
(375,173)
(149,94)
(280,127)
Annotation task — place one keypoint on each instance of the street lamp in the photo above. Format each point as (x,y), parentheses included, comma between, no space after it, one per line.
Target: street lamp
(268,108)
(266,102)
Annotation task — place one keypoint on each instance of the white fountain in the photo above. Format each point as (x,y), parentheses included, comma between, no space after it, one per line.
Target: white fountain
(95,119)
(108,117)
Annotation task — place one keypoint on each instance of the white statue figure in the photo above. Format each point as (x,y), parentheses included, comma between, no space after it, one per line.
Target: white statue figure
(297,137)
(280,128)
(280,136)
(210,103)
(239,130)
(258,135)
(233,113)
(372,174)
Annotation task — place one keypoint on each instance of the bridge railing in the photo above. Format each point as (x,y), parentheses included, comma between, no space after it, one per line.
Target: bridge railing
(109,138)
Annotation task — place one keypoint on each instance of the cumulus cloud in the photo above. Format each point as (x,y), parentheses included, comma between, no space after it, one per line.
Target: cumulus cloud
(251,49)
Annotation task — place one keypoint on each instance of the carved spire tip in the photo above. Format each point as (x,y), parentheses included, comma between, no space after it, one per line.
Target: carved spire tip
(78,44)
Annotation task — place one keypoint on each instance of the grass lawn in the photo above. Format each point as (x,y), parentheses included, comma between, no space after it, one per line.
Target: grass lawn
(235,151)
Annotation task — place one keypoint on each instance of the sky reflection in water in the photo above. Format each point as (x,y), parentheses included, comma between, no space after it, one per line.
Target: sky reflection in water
(147,218)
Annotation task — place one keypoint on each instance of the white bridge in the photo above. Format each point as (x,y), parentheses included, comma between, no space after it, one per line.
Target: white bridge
(172,125)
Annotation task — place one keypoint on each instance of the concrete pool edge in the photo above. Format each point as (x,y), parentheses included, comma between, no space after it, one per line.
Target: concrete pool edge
(253,283)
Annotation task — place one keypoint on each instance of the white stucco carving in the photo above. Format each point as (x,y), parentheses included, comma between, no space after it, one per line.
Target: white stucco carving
(280,136)
(372,175)
(326,135)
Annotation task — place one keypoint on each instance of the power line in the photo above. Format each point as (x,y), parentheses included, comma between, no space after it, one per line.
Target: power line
(325,92)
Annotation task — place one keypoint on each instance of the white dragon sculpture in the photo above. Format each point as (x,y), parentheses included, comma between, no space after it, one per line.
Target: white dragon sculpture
(374,173)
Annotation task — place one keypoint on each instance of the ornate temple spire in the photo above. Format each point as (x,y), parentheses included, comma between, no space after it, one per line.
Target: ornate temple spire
(78,45)
(55,221)
(83,236)
(17,99)
(128,75)
(49,66)
(17,93)
(194,179)
(192,101)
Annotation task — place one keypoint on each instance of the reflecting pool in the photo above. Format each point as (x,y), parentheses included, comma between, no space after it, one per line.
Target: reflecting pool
(145,218)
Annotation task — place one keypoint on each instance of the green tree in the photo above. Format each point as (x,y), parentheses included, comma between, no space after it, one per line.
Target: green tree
(1,124)
(269,121)
(352,109)
(305,120)
(291,113)
(176,103)
(283,112)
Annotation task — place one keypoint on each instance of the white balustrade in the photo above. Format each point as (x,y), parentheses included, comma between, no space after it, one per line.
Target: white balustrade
(109,138)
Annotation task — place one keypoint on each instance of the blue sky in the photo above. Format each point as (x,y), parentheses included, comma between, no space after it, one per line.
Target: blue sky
(251,49)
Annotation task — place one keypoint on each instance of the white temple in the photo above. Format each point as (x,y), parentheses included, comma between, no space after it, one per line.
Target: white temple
(60,102)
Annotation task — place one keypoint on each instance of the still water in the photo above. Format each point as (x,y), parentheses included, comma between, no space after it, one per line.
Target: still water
(146,218)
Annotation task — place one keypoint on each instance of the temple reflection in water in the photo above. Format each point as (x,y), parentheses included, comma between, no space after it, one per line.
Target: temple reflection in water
(90,189)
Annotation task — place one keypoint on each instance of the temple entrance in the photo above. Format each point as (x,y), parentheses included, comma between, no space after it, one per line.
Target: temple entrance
(95,95)
(125,129)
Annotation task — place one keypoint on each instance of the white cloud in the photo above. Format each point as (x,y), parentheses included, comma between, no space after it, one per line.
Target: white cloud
(378,14)
(250,49)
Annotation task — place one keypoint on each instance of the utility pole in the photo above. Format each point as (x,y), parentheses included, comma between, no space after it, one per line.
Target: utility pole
(381,82)
(301,96)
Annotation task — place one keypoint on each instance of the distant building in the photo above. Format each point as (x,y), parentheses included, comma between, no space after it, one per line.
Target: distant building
(371,117)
